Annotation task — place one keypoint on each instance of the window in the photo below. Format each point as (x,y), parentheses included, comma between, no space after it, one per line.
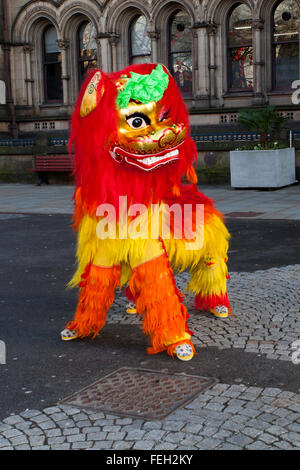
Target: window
(180,51)
(240,50)
(52,66)
(87,49)
(140,42)
(285,45)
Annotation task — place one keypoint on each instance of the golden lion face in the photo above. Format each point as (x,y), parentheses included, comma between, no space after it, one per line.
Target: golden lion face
(146,136)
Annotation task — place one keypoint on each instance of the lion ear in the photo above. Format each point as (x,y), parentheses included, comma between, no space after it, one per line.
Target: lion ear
(92,95)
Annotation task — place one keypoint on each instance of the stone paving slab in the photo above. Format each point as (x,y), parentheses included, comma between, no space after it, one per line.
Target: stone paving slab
(57,199)
(223,417)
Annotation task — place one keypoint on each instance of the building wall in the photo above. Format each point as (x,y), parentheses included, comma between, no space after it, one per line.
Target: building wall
(211,104)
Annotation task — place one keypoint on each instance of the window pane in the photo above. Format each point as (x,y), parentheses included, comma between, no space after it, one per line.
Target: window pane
(87,41)
(240,26)
(87,45)
(141,59)
(286,44)
(181,67)
(53,82)
(181,33)
(50,41)
(52,52)
(85,66)
(286,22)
(52,66)
(241,72)
(286,64)
(140,41)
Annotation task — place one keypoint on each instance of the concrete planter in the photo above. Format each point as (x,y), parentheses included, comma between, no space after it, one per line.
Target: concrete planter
(262,168)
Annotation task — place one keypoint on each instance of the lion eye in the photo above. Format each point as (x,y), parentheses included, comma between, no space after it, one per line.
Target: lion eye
(138,121)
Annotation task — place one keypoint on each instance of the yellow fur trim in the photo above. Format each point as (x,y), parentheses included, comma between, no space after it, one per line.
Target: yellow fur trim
(132,252)
(178,339)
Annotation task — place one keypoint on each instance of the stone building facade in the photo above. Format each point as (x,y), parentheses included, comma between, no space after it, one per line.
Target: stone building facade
(224,54)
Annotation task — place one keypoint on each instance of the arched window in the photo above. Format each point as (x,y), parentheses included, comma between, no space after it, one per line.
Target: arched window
(180,51)
(240,50)
(87,48)
(139,41)
(52,66)
(285,44)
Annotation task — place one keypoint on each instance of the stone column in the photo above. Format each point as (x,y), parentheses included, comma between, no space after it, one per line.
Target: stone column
(202,76)
(211,31)
(27,49)
(113,40)
(105,58)
(257,26)
(154,36)
(63,46)
(99,53)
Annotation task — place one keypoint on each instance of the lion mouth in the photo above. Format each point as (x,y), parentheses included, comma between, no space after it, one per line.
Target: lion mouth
(146,162)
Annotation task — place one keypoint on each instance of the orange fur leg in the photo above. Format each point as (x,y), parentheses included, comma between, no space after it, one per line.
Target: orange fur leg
(95,299)
(158,300)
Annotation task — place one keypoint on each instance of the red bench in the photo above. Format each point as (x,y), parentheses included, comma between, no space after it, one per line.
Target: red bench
(46,163)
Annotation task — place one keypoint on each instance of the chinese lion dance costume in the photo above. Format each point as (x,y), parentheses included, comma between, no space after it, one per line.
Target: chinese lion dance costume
(131,140)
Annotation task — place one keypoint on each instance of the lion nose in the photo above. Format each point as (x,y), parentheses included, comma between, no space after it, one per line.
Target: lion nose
(172,136)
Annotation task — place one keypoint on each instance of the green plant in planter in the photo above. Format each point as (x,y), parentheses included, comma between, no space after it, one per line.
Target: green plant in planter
(265,122)
(268,146)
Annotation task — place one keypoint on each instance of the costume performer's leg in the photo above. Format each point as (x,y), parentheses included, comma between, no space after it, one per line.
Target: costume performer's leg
(97,292)
(131,306)
(208,280)
(159,301)
(213,292)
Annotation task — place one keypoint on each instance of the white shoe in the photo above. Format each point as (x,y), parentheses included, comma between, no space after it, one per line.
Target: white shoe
(68,335)
(131,308)
(184,352)
(219,311)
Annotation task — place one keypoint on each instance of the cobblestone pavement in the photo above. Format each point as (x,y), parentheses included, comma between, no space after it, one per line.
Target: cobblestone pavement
(224,417)
(260,301)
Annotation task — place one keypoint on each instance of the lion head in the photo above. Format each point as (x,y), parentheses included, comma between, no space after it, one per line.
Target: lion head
(131,136)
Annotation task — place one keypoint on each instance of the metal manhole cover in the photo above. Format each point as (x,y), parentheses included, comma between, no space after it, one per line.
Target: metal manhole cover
(140,393)
(243,214)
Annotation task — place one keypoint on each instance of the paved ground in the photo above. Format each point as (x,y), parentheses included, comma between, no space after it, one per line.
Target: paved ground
(255,405)
(53,199)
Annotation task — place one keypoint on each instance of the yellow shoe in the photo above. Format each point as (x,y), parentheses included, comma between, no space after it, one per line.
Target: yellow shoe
(68,335)
(131,308)
(219,311)
(184,352)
